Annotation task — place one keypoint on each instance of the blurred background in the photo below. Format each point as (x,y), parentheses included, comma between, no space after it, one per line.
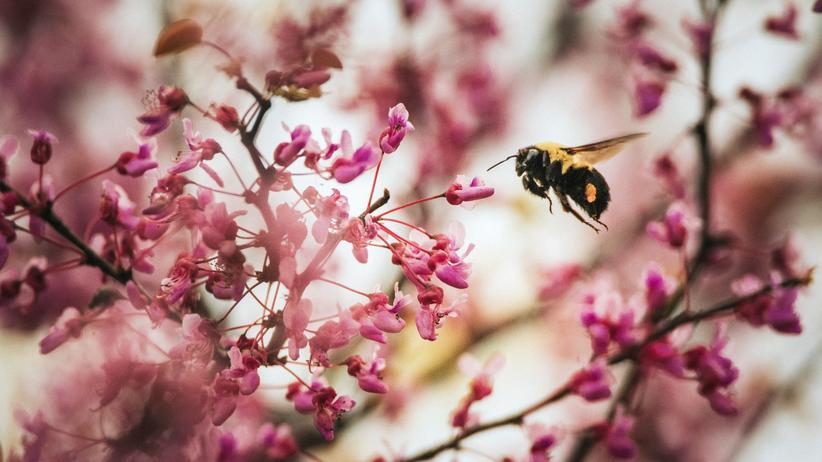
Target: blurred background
(480,80)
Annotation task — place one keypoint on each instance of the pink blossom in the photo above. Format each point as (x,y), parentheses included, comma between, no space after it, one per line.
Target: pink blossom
(462,190)
(714,373)
(330,335)
(200,150)
(701,34)
(632,21)
(765,116)
(276,442)
(332,212)
(116,208)
(296,315)
(360,233)
(171,101)
(776,309)
(617,436)
(179,280)
(817,6)
(69,324)
(784,25)
(354,163)
(398,126)
(323,402)
(429,317)
(593,383)
(542,439)
(666,170)
(369,375)
(657,289)
(663,355)
(608,320)
(647,96)
(226,116)
(285,153)
(41,148)
(653,59)
(673,230)
(480,387)
(199,339)
(135,164)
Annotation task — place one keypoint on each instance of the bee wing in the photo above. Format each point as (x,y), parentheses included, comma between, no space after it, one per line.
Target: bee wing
(603,150)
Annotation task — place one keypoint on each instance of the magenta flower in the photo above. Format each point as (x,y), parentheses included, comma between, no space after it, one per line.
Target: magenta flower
(701,34)
(714,373)
(69,324)
(171,101)
(296,315)
(657,289)
(593,383)
(784,25)
(369,375)
(346,169)
(647,96)
(431,312)
(277,443)
(765,117)
(116,208)
(776,309)
(653,59)
(617,436)
(330,335)
(666,170)
(398,126)
(462,190)
(323,402)
(480,387)
(663,355)
(542,439)
(285,153)
(673,230)
(135,164)
(200,150)
(41,148)
(608,321)
(331,212)
(198,342)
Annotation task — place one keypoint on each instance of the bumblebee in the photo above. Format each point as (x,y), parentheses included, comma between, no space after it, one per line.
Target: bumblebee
(570,172)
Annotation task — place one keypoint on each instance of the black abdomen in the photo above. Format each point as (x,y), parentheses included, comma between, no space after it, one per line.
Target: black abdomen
(586,187)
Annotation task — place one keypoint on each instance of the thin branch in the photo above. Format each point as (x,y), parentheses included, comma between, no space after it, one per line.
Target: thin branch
(718,310)
(90,257)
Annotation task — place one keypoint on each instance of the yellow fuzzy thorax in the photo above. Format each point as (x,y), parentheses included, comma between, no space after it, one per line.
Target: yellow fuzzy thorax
(556,153)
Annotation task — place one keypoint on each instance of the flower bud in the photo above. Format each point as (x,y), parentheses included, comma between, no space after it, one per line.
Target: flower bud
(41,147)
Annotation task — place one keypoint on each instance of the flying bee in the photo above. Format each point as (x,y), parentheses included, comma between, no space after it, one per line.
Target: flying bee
(570,172)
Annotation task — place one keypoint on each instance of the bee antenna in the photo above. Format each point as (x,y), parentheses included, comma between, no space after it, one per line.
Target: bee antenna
(501,162)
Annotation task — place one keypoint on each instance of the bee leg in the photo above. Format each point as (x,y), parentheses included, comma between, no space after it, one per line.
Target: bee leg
(603,224)
(550,204)
(563,199)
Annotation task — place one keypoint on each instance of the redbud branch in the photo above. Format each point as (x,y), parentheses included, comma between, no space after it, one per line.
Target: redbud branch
(90,256)
(718,310)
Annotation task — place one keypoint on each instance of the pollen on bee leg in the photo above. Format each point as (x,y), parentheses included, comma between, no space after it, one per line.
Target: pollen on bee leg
(590,192)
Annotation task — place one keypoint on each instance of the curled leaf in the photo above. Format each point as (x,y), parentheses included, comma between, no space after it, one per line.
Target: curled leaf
(178,36)
(325,58)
